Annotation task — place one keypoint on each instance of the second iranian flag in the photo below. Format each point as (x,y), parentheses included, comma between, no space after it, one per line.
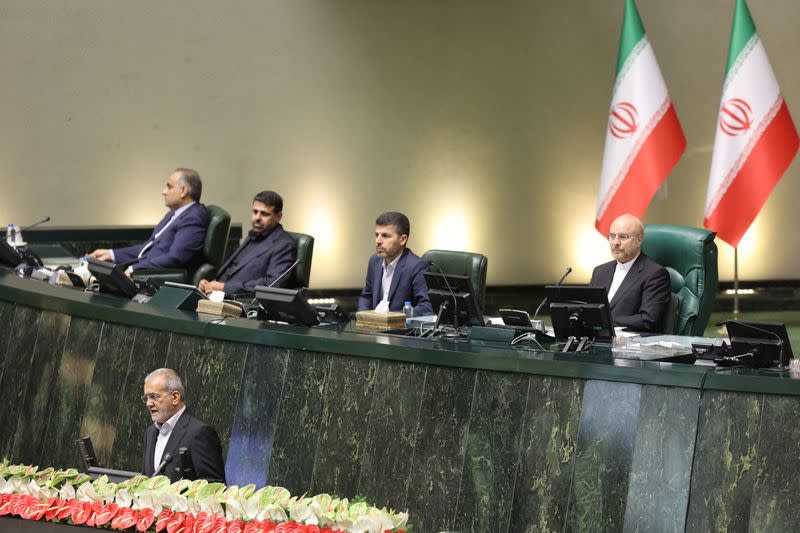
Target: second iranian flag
(644,139)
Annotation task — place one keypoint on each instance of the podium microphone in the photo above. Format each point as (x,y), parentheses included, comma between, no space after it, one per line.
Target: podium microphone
(453,294)
(167,459)
(544,300)
(276,280)
(15,231)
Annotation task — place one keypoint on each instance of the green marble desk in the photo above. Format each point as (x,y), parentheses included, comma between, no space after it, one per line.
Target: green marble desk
(466,436)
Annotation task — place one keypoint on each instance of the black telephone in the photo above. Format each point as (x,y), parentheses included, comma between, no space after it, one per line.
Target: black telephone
(332,315)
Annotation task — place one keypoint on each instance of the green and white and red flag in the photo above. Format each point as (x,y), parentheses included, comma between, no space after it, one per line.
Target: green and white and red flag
(644,140)
(756,139)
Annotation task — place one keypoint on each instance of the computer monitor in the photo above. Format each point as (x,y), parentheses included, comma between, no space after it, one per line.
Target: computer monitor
(286,305)
(111,278)
(9,256)
(768,342)
(451,298)
(90,463)
(580,311)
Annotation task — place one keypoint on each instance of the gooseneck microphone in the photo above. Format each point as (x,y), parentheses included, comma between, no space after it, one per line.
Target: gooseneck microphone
(452,294)
(544,300)
(15,231)
(167,459)
(276,280)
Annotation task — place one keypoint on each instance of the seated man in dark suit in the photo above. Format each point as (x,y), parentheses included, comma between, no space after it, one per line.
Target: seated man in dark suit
(394,273)
(638,287)
(177,241)
(265,256)
(174,428)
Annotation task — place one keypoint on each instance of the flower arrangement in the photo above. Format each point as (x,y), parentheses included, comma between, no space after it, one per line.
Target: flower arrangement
(153,504)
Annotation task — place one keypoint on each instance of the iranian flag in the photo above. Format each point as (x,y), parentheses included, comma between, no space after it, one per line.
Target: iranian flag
(644,140)
(755,140)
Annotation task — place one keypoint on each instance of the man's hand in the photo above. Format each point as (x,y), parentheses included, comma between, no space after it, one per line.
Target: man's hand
(102,254)
(208,287)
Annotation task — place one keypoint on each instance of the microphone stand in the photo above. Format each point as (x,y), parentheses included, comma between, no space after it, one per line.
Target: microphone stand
(443,306)
(544,300)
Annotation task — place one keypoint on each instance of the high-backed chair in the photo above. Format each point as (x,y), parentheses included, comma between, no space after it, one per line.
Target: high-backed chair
(467,264)
(305,252)
(690,257)
(219,227)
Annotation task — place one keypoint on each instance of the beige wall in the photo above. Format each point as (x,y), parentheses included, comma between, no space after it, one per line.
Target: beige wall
(483,121)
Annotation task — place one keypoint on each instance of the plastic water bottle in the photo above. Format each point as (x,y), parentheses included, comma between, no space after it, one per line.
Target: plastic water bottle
(407,309)
(10,234)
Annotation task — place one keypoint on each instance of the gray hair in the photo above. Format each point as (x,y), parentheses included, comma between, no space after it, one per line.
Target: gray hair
(191,179)
(171,378)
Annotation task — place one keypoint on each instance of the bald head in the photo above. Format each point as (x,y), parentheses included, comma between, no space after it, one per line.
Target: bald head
(625,237)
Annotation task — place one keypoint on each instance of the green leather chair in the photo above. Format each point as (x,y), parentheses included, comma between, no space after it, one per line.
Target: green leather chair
(305,252)
(690,257)
(462,264)
(219,227)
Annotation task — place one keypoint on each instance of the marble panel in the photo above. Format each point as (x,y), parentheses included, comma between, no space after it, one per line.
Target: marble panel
(7,310)
(253,432)
(211,371)
(775,505)
(603,456)
(724,468)
(547,454)
(104,401)
(16,371)
(34,407)
(493,452)
(149,352)
(70,391)
(440,447)
(658,493)
(390,439)
(343,429)
(299,420)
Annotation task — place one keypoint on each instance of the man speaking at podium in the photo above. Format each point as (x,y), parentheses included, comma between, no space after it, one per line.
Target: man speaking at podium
(266,255)
(638,287)
(177,241)
(174,428)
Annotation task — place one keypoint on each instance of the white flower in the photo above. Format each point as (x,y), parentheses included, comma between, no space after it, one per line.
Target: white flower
(67,492)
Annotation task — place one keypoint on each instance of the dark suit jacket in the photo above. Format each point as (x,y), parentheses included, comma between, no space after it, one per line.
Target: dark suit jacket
(408,284)
(642,299)
(180,246)
(201,440)
(262,265)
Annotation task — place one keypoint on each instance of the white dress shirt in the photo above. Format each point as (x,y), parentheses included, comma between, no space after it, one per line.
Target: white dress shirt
(386,283)
(619,275)
(164,431)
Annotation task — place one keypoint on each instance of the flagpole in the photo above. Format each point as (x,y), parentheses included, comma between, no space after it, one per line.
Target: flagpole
(736,283)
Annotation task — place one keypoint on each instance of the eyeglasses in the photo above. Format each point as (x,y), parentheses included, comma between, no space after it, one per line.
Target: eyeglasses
(621,236)
(155,396)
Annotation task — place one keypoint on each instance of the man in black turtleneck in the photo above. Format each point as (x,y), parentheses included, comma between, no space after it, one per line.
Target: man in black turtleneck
(266,253)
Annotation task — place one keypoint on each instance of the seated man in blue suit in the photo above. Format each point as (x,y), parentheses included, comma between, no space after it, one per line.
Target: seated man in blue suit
(266,255)
(177,241)
(638,287)
(394,273)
